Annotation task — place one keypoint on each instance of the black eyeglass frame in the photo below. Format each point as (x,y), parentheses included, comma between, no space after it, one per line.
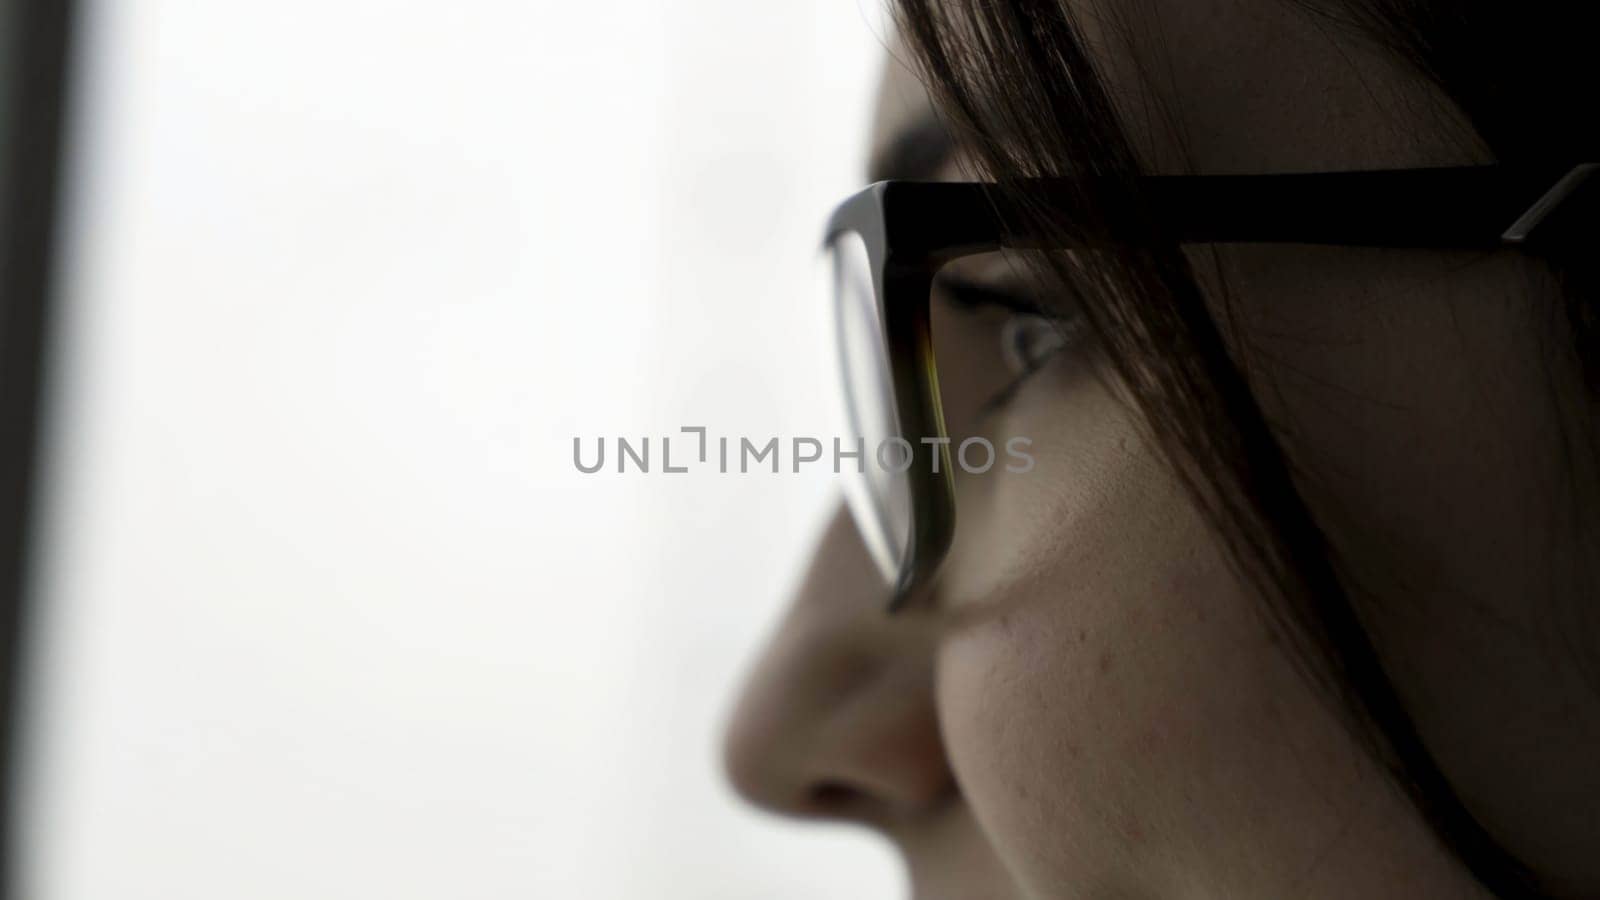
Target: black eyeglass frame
(911,229)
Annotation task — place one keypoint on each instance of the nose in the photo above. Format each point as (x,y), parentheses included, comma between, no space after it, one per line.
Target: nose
(838,718)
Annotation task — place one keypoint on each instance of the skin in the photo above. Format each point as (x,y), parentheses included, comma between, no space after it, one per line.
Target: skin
(1091,702)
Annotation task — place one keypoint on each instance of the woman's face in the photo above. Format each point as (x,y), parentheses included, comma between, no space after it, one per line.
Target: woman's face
(1091,702)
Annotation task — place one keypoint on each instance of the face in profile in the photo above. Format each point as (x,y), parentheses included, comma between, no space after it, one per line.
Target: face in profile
(1093,697)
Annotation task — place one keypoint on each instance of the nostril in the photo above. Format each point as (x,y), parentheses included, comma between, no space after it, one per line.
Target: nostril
(834,798)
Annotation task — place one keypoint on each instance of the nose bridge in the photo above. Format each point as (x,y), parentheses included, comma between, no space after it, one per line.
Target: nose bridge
(838,717)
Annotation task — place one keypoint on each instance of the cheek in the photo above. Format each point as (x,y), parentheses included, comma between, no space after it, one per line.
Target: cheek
(1113,706)
(1084,601)
(1074,715)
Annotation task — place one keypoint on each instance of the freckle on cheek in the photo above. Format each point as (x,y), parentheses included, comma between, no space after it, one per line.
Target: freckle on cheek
(1105,663)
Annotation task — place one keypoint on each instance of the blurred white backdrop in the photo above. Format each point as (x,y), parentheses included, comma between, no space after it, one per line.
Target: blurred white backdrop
(326,609)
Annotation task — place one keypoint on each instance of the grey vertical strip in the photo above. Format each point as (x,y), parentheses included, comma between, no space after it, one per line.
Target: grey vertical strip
(33,89)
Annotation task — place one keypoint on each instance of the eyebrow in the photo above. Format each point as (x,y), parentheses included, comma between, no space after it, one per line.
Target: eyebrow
(917,152)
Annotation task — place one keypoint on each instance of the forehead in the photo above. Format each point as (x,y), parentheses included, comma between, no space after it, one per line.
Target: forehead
(1215,86)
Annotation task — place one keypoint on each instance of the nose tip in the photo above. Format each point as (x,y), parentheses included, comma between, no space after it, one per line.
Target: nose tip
(875,759)
(838,718)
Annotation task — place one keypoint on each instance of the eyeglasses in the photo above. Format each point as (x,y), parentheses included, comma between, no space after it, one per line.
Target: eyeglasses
(888,242)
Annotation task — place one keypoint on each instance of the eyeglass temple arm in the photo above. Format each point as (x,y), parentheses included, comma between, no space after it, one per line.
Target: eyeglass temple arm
(1477,207)
(1462,208)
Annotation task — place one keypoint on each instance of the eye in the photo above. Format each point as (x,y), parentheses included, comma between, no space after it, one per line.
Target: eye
(1027,336)
(1027,341)
(991,337)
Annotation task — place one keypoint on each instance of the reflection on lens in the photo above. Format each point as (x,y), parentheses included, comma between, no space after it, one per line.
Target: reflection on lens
(879,497)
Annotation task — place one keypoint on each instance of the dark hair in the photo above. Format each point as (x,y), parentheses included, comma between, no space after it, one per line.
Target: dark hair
(1023,96)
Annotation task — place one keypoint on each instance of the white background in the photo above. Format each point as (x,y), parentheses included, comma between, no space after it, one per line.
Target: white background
(326,609)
